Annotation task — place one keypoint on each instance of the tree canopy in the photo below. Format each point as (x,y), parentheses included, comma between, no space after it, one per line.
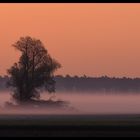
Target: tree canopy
(34,69)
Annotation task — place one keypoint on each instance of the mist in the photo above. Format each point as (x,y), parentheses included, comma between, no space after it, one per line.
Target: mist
(87,103)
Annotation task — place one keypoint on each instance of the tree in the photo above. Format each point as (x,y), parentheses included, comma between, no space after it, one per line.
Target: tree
(34,70)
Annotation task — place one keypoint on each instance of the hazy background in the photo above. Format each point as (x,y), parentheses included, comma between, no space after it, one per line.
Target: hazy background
(91,39)
(96,103)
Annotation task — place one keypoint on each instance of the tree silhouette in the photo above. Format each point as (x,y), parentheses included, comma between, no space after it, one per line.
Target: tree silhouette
(34,69)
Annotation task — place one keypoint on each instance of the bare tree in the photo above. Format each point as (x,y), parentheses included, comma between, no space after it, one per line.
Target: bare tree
(34,69)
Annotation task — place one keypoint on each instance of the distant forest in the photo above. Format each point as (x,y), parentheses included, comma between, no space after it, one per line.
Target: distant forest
(89,84)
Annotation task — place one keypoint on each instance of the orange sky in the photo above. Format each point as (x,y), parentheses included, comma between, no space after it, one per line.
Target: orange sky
(91,39)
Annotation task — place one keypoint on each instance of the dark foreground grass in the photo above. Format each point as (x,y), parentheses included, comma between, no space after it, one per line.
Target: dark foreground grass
(70,125)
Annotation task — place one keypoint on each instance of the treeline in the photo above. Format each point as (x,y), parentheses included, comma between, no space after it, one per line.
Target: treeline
(89,84)
(3,82)
(104,83)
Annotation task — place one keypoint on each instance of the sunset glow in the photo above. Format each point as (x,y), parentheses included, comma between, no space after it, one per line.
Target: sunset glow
(91,39)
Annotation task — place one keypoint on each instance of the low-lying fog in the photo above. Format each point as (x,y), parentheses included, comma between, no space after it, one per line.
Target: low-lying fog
(85,103)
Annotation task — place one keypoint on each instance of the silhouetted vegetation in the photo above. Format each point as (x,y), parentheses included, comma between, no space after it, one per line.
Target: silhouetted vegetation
(103,84)
(34,70)
(84,83)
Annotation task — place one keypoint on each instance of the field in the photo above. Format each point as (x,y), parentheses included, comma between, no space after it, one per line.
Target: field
(70,125)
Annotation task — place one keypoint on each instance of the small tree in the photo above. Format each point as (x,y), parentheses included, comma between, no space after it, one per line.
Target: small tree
(34,69)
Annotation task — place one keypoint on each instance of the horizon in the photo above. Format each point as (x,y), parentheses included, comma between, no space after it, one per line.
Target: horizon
(84,76)
(87,39)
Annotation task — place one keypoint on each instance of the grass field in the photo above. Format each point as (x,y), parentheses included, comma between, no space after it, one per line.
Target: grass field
(70,125)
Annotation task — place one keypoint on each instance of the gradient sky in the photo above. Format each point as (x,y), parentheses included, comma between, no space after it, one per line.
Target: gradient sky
(92,39)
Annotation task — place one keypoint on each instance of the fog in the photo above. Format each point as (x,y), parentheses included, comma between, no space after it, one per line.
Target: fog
(85,103)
